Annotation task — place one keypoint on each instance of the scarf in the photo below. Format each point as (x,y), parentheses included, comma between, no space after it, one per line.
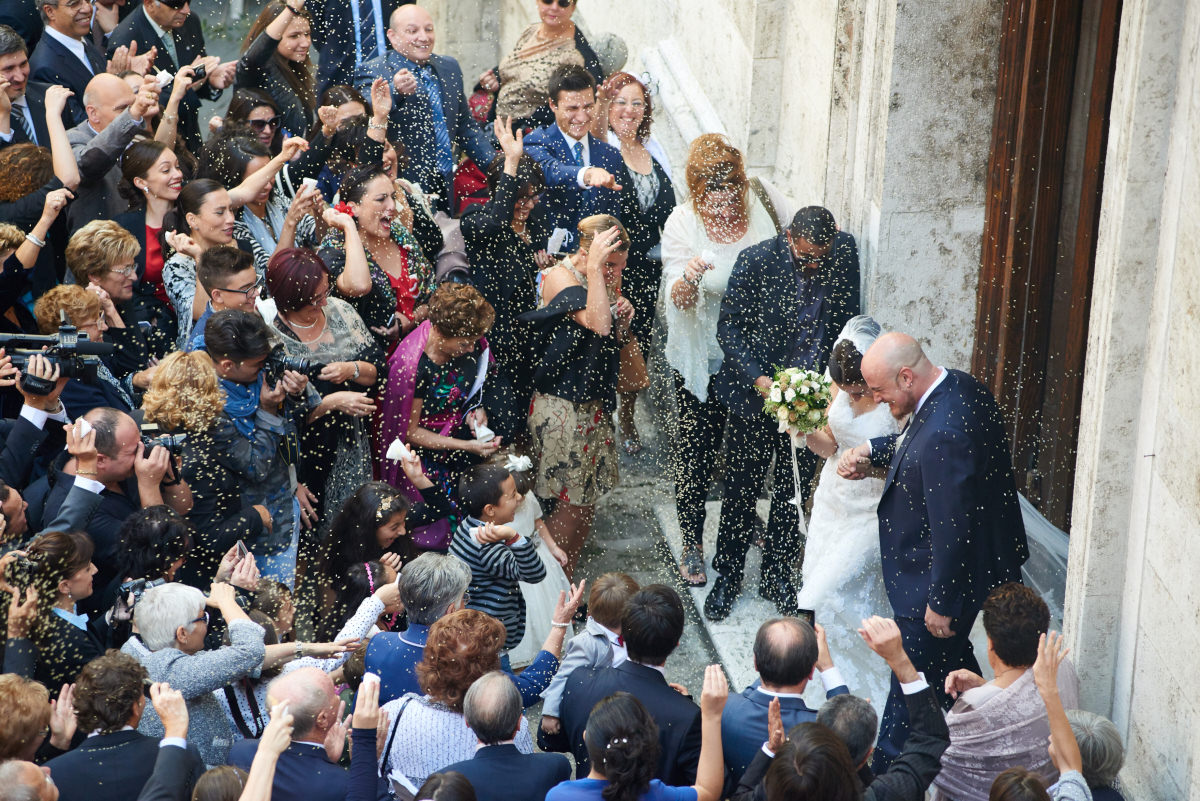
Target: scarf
(241,404)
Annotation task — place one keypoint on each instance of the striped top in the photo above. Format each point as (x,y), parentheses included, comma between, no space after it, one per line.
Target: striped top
(495,570)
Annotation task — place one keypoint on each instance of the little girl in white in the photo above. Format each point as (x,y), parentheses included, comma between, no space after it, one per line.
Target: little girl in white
(540,598)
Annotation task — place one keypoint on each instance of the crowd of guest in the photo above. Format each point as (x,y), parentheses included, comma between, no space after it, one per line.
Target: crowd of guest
(308,407)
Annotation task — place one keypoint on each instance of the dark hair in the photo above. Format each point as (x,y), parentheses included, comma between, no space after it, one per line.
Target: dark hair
(1014,618)
(1018,784)
(845,363)
(622,743)
(236,335)
(11,41)
(217,265)
(785,651)
(652,624)
(569,78)
(530,178)
(340,94)
(152,540)
(612,87)
(293,275)
(449,785)
(813,764)
(358,582)
(136,162)
(270,597)
(297,76)
(354,182)
(608,597)
(107,691)
(191,200)
(814,224)
(222,783)
(57,555)
(351,537)
(237,116)
(105,420)
(350,146)
(480,487)
(853,719)
(227,158)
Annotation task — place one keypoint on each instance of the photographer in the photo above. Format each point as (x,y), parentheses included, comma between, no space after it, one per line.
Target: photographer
(256,426)
(185,398)
(29,444)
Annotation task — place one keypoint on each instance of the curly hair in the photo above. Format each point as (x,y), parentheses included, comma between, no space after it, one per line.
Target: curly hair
(107,692)
(82,307)
(152,540)
(1014,617)
(613,86)
(713,165)
(460,648)
(26,706)
(96,247)
(622,744)
(11,237)
(24,168)
(185,393)
(459,310)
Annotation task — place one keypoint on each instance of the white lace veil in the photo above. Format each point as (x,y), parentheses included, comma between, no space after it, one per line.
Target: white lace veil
(861,330)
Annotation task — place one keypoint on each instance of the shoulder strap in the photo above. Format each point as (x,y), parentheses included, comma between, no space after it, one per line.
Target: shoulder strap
(760,192)
(387,751)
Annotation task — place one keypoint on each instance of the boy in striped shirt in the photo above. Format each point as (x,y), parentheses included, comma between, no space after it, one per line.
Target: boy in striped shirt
(496,554)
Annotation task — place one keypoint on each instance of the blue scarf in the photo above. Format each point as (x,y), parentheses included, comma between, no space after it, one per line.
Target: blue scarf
(241,404)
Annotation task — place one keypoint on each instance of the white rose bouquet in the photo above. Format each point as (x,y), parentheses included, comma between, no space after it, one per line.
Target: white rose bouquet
(799,401)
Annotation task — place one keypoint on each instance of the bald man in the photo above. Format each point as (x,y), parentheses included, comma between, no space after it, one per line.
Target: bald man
(115,114)
(950,527)
(305,770)
(429,110)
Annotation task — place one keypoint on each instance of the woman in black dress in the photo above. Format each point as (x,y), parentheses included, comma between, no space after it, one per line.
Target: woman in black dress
(275,59)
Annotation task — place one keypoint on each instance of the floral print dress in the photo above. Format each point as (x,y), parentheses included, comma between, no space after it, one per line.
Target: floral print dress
(443,390)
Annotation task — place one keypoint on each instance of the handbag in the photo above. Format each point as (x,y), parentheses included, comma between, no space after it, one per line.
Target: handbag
(632,376)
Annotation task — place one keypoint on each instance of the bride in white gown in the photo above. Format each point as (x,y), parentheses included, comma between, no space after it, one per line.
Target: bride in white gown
(843,581)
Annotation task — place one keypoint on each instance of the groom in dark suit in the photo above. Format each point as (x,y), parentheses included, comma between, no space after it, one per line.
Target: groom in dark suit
(950,527)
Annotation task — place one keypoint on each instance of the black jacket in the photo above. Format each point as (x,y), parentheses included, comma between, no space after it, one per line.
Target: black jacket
(117,766)
(52,63)
(501,772)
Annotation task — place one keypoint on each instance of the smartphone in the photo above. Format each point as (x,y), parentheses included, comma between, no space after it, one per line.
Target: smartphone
(242,550)
(393,320)
(808,615)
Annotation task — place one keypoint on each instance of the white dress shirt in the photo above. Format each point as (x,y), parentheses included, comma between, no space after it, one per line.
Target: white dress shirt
(74,45)
(587,154)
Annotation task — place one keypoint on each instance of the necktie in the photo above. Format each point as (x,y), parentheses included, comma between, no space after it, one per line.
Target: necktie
(578,151)
(21,113)
(168,40)
(441,135)
(377,16)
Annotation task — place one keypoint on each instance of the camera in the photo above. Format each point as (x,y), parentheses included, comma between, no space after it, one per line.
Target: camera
(22,571)
(75,355)
(172,442)
(129,593)
(199,73)
(278,361)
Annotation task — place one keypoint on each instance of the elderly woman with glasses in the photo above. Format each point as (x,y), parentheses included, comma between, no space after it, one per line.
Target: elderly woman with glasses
(172,622)
(521,78)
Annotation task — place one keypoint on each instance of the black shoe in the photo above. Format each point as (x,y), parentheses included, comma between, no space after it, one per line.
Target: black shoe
(780,591)
(720,600)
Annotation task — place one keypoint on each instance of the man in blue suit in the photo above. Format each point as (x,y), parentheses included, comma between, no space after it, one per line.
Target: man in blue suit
(950,527)
(584,175)
(429,110)
(786,651)
(498,771)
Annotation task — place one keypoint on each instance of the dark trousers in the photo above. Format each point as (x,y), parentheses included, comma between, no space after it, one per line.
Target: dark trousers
(936,658)
(751,443)
(697,444)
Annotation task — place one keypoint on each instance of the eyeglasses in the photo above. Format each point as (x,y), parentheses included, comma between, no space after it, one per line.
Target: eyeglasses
(636,105)
(202,619)
(561,3)
(253,291)
(261,125)
(126,271)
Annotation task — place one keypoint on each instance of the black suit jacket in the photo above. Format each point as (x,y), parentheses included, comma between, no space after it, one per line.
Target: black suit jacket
(678,718)
(303,772)
(189,45)
(26,446)
(171,779)
(52,63)
(501,772)
(333,35)
(23,17)
(906,779)
(950,527)
(116,767)
(35,97)
(759,327)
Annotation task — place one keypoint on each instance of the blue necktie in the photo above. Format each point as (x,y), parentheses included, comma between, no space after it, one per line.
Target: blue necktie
(578,151)
(377,16)
(26,123)
(441,135)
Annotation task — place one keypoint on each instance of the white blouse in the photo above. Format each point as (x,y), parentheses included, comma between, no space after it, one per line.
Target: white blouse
(691,347)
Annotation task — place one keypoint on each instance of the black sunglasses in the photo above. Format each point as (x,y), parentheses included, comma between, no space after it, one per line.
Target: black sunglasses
(259,125)
(561,3)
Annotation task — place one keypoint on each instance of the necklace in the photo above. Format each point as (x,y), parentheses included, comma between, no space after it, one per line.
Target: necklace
(295,324)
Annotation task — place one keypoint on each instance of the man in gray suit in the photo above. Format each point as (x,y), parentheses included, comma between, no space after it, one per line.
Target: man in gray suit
(115,114)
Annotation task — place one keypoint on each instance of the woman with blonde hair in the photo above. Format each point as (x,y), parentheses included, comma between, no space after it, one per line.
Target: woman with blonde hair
(580,324)
(185,398)
(725,212)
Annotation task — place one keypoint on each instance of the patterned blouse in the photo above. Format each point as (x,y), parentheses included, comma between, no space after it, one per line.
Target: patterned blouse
(525,72)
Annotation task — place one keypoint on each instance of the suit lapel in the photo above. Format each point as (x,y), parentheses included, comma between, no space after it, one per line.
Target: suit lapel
(915,426)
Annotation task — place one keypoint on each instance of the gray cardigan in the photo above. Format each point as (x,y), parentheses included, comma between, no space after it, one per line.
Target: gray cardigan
(197,676)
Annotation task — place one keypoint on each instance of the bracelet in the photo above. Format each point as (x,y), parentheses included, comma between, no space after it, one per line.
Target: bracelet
(357,371)
(299,650)
(559,625)
(376,126)
(39,242)
(170,118)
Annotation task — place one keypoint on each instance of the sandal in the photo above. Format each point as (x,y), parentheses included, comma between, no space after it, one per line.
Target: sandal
(691,568)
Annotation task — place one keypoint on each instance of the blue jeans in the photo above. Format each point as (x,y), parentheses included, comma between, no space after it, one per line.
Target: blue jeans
(281,566)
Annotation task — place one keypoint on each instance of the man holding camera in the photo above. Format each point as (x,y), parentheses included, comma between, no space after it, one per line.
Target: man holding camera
(255,440)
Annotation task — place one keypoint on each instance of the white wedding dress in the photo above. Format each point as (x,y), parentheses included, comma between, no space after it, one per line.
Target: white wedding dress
(843,580)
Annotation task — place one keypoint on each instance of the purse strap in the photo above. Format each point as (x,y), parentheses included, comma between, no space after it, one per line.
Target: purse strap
(387,752)
(760,192)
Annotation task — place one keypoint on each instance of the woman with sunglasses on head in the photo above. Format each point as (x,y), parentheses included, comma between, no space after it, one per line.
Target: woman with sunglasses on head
(627,126)
(726,211)
(521,78)
(275,60)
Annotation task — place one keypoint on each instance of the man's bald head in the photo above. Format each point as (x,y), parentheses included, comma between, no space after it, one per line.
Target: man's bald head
(105,97)
(898,372)
(492,707)
(785,651)
(411,33)
(311,698)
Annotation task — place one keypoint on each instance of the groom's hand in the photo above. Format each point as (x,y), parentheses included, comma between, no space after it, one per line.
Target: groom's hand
(938,625)
(855,462)
(763,385)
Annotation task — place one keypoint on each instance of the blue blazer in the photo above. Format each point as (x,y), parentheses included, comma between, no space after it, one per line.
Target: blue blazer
(303,771)
(53,63)
(564,202)
(411,120)
(758,328)
(744,724)
(116,766)
(950,527)
(501,772)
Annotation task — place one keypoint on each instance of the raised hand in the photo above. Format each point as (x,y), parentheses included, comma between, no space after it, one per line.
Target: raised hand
(328,117)
(566,605)
(221,76)
(293,146)
(511,145)
(366,706)
(39,366)
(182,243)
(277,736)
(824,657)
(83,448)
(335,740)
(603,246)
(776,734)
(151,469)
(171,709)
(245,574)
(144,63)
(381,100)
(715,692)
(489,82)
(56,100)
(961,680)
(22,609)
(405,82)
(62,718)
(56,201)
(1051,652)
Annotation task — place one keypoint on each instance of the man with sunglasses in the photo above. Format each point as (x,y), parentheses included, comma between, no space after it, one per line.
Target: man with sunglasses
(169,26)
(228,276)
(787,300)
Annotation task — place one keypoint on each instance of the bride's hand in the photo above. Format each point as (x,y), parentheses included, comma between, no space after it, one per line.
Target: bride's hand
(855,462)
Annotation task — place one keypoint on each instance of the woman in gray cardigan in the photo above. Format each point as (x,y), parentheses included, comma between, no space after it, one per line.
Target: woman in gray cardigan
(172,621)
